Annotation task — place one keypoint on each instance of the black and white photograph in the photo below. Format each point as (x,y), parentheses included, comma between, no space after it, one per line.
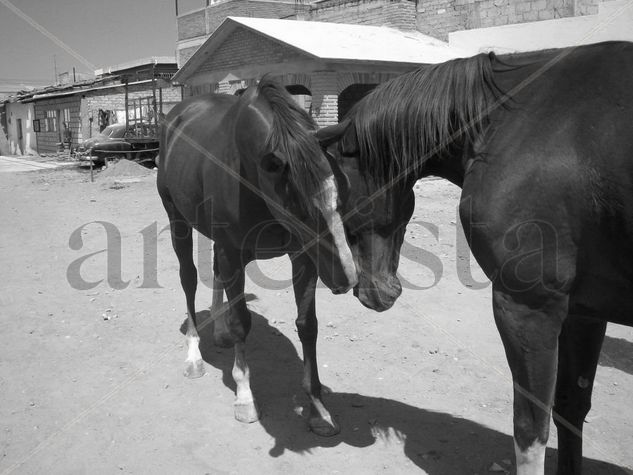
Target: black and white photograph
(316,237)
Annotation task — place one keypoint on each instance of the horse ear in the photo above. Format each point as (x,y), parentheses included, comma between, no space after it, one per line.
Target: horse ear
(273,162)
(328,135)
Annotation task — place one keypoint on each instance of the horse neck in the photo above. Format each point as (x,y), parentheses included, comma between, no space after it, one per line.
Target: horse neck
(450,165)
(252,126)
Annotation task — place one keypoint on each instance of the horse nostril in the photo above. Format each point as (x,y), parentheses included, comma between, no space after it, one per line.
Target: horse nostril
(341,290)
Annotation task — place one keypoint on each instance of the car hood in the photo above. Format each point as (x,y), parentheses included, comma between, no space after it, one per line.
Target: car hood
(99,140)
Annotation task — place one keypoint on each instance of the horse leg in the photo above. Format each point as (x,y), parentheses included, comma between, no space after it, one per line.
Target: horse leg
(530,336)
(182,241)
(221,331)
(304,283)
(579,351)
(231,272)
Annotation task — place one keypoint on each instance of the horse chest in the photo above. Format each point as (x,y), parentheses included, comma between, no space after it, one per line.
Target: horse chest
(262,240)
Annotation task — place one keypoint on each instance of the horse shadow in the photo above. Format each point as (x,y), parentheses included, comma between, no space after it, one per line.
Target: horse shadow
(616,353)
(437,442)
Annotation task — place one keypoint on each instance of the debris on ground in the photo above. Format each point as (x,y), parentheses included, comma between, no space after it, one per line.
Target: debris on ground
(124,168)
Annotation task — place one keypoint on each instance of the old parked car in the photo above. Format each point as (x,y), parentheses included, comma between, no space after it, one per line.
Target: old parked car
(139,143)
(109,143)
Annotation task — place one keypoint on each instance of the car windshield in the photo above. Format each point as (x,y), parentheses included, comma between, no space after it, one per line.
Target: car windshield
(113,131)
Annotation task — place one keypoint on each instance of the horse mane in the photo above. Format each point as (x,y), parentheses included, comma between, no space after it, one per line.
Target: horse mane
(293,133)
(405,121)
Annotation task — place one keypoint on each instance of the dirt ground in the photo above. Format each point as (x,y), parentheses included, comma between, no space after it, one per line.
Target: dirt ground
(91,352)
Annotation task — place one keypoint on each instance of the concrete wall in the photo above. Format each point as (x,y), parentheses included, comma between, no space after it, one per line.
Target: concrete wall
(25,112)
(614,21)
(440,17)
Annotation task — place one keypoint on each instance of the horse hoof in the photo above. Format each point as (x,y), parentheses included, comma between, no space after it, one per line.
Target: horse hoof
(246,412)
(194,370)
(323,428)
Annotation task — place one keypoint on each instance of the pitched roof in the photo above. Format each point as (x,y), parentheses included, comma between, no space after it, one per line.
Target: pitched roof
(333,42)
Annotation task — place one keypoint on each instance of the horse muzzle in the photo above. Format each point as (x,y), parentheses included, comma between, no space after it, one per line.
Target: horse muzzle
(377,295)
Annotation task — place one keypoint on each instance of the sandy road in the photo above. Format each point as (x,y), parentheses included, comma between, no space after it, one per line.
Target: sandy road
(90,378)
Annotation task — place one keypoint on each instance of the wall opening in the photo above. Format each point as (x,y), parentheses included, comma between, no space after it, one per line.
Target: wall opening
(302,95)
(350,96)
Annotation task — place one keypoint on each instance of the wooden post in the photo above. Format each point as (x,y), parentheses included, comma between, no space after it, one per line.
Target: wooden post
(154,97)
(126,107)
(92,177)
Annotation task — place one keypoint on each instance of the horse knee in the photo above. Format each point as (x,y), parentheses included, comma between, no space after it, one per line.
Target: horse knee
(307,329)
(240,327)
(573,405)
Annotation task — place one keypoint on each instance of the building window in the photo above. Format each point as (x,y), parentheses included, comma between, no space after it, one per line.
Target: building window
(51,121)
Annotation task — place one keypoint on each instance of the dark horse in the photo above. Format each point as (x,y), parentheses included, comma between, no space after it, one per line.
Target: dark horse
(542,145)
(249,174)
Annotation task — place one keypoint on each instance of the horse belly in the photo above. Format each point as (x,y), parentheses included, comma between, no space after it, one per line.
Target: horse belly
(606,299)
(603,287)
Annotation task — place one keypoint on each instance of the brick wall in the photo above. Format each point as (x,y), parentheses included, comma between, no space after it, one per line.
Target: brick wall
(47,141)
(217,13)
(205,21)
(191,25)
(325,98)
(237,51)
(439,17)
(185,53)
(394,13)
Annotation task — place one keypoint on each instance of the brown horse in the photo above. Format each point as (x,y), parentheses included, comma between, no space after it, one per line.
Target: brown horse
(542,145)
(249,174)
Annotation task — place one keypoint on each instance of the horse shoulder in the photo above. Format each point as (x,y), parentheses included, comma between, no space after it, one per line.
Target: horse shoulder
(522,227)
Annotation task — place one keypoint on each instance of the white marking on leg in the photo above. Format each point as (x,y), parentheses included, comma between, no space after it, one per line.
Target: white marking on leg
(194,367)
(241,375)
(193,349)
(244,404)
(335,225)
(532,460)
(193,342)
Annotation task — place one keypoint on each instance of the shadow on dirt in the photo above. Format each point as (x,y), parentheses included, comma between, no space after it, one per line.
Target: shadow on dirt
(439,443)
(616,353)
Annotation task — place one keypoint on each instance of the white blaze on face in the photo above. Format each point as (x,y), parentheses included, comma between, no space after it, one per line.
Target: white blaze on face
(530,461)
(335,226)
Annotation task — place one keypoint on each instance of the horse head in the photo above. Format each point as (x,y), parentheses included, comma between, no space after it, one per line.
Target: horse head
(375,215)
(294,175)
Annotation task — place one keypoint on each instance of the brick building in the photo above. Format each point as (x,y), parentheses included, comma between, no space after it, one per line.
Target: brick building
(308,58)
(330,68)
(82,109)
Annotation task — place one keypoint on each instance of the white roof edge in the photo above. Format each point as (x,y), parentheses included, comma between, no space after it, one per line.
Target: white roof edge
(135,63)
